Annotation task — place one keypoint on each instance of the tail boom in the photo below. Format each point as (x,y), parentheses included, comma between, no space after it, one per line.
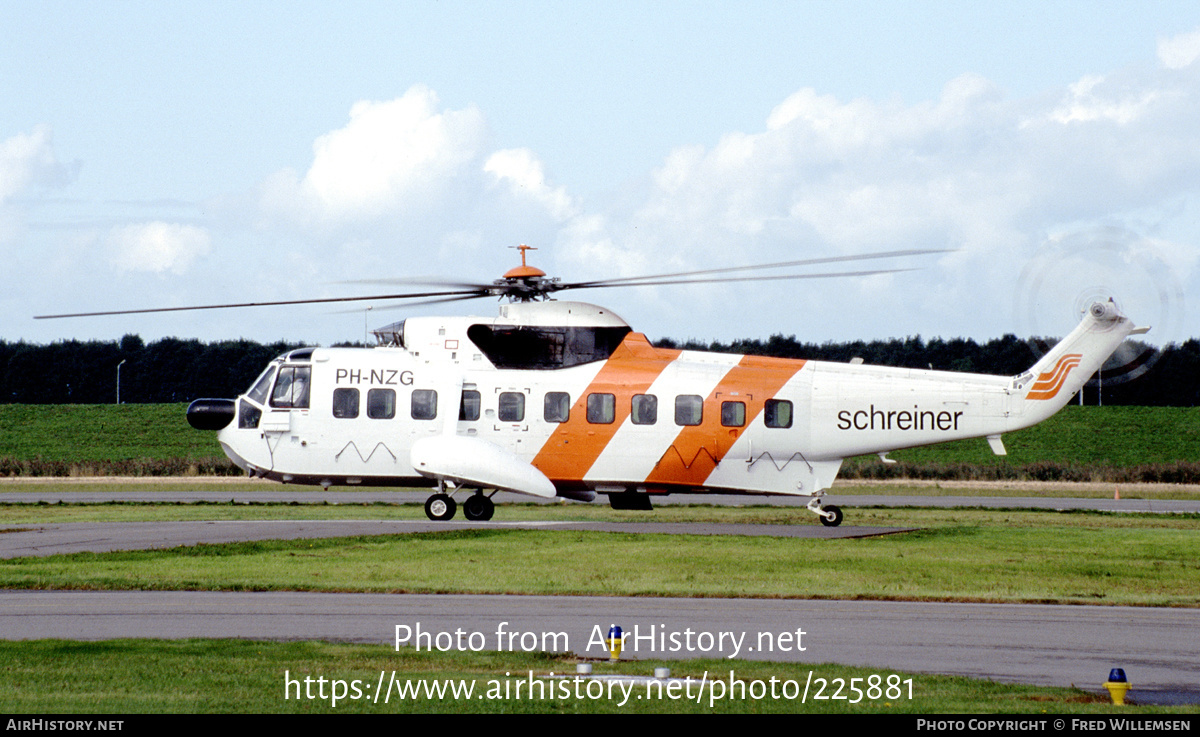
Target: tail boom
(1046,387)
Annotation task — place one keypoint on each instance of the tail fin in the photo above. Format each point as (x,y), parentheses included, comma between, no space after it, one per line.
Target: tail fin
(1051,382)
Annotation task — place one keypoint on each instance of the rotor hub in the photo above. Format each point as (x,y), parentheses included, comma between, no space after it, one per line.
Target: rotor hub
(523,272)
(524,283)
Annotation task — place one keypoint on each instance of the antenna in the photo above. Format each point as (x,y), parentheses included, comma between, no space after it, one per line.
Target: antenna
(523,248)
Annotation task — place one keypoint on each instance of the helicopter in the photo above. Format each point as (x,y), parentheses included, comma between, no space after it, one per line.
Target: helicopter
(564,399)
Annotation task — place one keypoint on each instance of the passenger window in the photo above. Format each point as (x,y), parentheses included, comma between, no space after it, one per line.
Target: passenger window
(512,407)
(733,414)
(778,413)
(601,409)
(557,407)
(345,403)
(689,409)
(645,409)
(468,410)
(291,388)
(424,404)
(381,404)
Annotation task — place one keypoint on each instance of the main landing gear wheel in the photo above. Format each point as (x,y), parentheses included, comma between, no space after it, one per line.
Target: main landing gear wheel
(440,508)
(478,508)
(836,513)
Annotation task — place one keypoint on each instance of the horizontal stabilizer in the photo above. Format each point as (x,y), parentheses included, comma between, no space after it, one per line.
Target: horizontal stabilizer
(476,462)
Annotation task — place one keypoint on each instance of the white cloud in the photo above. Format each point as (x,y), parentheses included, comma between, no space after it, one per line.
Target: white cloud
(1088,100)
(28,159)
(1179,51)
(524,174)
(392,157)
(157,246)
(415,186)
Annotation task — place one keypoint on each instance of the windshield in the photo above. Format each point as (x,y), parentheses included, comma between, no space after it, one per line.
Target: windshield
(258,392)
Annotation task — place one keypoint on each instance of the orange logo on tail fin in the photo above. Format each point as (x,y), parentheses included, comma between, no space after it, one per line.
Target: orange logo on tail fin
(1048,384)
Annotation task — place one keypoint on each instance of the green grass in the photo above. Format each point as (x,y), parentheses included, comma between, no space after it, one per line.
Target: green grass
(233,676)
(81,433)
(1109,436)
(148,440)
(959,555)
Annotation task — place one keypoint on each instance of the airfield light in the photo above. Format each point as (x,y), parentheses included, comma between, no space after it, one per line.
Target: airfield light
(614,642)
(1117,685)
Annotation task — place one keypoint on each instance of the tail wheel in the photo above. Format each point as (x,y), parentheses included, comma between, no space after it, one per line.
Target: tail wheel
(478,508)
(440,508)
(836,513)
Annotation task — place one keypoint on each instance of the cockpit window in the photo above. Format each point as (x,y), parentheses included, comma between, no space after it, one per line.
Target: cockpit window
(258,392)
(291,388)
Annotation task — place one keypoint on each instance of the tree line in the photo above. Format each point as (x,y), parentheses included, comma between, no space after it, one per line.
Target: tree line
(176,370)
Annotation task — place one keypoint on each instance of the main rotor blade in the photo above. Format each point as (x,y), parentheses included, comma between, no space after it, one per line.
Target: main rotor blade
(764,277)
(408,305)
(427,281)
(731,269)
(465,294)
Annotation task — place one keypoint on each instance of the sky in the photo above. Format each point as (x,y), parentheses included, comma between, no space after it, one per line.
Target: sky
(165,154)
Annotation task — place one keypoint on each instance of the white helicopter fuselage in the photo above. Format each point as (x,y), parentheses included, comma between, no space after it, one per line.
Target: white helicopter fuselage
(562,398)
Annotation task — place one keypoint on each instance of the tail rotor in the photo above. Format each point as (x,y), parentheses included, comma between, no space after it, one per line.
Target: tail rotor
(1101,268)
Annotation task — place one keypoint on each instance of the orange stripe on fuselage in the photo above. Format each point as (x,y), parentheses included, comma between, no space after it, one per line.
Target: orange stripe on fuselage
(699,448)
(574,446)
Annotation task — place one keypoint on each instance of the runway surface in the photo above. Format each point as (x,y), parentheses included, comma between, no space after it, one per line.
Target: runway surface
(1047,645)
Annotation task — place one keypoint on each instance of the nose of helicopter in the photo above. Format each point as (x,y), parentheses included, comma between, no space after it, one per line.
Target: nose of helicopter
(211,414)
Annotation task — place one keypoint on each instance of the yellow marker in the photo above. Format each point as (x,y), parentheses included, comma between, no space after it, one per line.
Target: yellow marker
(614,643)
(1117,685)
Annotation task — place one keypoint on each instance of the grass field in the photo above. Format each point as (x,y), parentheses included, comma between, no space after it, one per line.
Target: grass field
(84,433)
(233,676)
(1079,443)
